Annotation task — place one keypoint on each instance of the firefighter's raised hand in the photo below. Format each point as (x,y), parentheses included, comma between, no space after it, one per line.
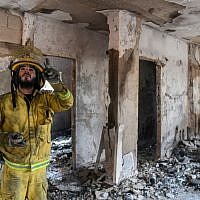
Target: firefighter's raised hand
(54,78)
(52,75)
(16,140)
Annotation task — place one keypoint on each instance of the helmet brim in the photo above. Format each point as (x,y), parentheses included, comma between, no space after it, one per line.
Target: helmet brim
(16,65)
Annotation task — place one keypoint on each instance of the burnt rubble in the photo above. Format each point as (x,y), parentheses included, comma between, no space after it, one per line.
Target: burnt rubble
(163,179)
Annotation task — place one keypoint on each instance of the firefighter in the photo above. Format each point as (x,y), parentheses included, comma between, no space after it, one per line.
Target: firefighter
(26,115)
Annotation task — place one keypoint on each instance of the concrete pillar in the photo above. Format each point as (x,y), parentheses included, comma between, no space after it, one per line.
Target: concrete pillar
(124,42)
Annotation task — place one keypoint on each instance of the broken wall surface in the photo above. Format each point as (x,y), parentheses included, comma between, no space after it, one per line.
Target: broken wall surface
(124,41)
(66,40)
(6,50)
(89,51)
(4,75)
(172,55)
(10,37)
(193,91)
(10,27)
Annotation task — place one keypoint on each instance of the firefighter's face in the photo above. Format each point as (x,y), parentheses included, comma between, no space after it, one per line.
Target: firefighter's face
(27,73)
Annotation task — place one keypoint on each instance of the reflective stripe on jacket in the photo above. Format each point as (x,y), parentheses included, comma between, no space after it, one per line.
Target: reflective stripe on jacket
(33,123)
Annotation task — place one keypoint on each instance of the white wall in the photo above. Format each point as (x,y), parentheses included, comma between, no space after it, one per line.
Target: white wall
(88,48)
(174,54)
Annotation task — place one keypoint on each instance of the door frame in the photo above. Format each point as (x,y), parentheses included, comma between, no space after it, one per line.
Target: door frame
(73,108)
(158,66)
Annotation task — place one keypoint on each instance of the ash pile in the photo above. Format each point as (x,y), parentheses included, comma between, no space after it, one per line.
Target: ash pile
(173,178)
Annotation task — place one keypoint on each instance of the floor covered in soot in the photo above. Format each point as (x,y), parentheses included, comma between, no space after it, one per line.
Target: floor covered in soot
(175,178)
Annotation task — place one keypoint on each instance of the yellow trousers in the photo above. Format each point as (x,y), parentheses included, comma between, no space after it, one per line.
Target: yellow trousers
(21,185)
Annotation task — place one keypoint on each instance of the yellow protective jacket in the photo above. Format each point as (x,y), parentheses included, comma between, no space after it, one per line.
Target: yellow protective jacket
(33,123)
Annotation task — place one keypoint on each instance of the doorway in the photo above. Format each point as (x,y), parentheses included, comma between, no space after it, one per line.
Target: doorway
(147,111)
(62,125)
(63,129)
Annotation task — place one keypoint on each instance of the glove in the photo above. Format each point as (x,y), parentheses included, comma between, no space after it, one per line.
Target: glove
(54,78)
(52,75)
(16,140)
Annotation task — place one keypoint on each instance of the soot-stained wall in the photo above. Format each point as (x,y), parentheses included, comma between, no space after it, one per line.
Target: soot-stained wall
(172,55)
(88,49)
(193,92)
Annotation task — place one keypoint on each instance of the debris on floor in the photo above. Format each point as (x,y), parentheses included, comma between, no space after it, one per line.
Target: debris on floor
(163,179)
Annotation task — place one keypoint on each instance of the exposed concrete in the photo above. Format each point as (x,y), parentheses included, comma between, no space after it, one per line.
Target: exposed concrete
(80,12)
(4,72)
(10,27)
(20,4)
(88,49)
(6,49)
(124,37)
(159,47)
(186,25)
(177,17)
(51,36)
(87,11)
(128,167)
(5,81)
(173,53)
(58,15)
(59,39)
(156,11)
(4,63)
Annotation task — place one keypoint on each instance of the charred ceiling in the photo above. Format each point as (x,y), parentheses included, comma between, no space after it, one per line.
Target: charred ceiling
(79,12)
(177,17)
(86,11)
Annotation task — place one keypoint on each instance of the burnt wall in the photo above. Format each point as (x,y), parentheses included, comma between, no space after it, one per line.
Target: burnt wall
(171,55)
(193,91)
(90,91)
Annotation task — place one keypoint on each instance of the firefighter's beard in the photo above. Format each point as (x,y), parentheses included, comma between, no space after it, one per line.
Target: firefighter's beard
(24,84)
